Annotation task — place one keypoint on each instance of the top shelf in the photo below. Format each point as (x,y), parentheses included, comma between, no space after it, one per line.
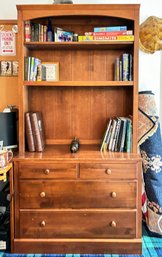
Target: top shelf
(80,45)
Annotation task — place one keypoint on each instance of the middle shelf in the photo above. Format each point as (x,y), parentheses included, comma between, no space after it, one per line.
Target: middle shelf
(79,83)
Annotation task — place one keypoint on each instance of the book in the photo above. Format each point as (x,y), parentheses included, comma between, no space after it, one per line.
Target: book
(38,131)
(110,33)
(27,30)
(85,38)
(29,133)
(105,136)
(115,38)
(110,28)
(128,146)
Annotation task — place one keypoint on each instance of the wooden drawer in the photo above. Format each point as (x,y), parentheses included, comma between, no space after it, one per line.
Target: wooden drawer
(77,194)
(108,171)
(47,170)
(77,224)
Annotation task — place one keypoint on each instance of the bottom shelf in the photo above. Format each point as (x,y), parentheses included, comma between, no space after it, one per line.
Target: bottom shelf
(86,152)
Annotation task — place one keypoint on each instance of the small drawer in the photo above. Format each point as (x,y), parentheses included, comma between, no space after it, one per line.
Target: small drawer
(77,224)
(47,170)
(108,171)
(77,194)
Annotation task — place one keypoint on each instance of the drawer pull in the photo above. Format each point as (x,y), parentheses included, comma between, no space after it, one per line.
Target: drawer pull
(42,194)
(108,171)
(113,194)
(43,223)
(113,224)
(47,171)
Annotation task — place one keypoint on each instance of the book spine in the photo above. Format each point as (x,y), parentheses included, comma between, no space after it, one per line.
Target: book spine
(44,33)
(125,67)
(130,78)
(110,33)
(25,68)
(32,33)
(125,38)
(117,38)
(27,30)
(32,69)
(29,133)
(113,28)
(117,69)
(85,38)
(36,34)
(36,132)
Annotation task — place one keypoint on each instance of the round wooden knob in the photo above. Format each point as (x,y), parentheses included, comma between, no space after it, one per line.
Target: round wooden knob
(47,171)
(113,224)
(113,194)
(108,171)
(42,194)
(43,223)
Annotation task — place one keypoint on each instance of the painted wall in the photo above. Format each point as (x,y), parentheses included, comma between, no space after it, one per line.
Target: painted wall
(149,64)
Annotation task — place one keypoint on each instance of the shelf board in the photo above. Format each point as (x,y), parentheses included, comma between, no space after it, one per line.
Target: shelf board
(85,153)
(79,83)
(80,45)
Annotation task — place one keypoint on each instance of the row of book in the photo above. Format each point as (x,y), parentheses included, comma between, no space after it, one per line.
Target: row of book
(35,134)
(123,67)
(31,65)
(35,32)
(34,70)
(118,135)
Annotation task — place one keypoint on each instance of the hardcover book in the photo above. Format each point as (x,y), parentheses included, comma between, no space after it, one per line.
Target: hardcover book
(29,132)
(38,131)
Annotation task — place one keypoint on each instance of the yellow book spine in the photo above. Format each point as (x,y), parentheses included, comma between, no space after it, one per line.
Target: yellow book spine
(126,38)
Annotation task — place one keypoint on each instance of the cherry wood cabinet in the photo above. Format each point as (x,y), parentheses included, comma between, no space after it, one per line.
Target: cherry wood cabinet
(90,201)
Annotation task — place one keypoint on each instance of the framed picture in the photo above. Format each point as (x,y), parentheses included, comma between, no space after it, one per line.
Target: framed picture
(50,71)
(6,68)
(15,68)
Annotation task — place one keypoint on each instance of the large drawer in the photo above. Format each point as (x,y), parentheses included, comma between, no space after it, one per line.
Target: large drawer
(77,224)
(77,194)
(47,170)
(108,171)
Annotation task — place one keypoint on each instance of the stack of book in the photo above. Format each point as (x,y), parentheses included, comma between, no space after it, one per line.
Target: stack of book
(123,68)
(31,68)
(35,135)
(111,33)
(118,135)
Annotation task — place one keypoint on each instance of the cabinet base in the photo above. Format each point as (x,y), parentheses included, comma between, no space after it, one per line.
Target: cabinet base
(77,246)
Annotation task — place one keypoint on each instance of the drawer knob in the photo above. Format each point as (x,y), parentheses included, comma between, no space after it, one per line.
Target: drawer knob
(43,223)
(42,194)
(47,171)
(113,224)
(113,194)
(108,171)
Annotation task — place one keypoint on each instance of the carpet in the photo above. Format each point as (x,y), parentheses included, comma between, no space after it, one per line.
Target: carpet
(151,247)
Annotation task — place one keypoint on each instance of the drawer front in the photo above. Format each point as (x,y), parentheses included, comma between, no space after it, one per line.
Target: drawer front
(77,224)
(77,194)
(46,170)
(108,171)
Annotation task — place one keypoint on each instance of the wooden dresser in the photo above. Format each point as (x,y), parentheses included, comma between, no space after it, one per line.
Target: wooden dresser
(90,201)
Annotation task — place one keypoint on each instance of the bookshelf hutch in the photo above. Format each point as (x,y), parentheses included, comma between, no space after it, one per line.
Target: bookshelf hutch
(90,201)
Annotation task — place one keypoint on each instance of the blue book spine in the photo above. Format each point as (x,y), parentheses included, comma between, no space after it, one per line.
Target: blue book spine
(108,29)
